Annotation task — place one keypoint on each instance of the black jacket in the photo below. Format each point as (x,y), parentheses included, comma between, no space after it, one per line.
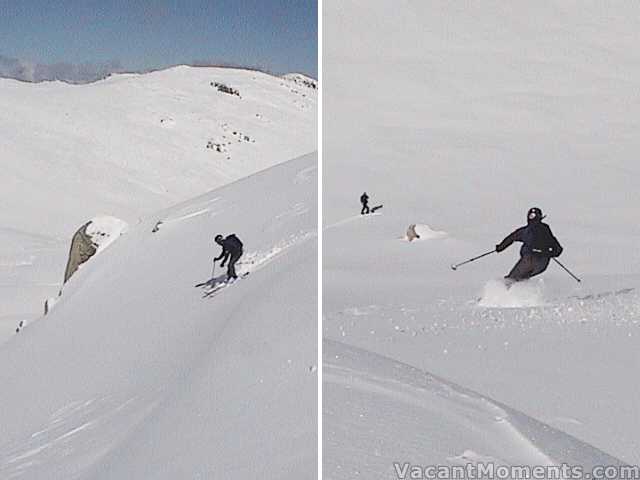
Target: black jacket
(230,246)
(364,198)
(536,238)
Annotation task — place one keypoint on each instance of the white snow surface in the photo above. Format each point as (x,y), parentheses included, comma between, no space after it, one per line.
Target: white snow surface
(137,373)
(498,294)
(462,116)
(104,230)
(127,146)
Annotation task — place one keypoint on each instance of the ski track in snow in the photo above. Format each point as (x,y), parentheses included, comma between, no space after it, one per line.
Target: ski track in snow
(69,431)
(189,215)
(200,209)
(304,175)
(619,308)
(350,219)
(296,209)
(253,261)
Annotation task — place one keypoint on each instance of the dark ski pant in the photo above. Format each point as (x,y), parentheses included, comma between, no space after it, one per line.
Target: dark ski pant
(528,266)
(365,209)
(231,268)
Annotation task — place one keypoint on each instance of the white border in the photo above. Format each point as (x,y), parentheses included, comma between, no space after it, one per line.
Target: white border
(320,238)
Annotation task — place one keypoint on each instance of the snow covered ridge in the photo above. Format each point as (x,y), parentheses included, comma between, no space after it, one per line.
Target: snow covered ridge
(152,143)
(79,74)
(138,373)
(104,230)
(302,80)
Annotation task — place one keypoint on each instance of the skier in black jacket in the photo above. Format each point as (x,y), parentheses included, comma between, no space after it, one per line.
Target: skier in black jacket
(231,250)
(538,247)
(364,200)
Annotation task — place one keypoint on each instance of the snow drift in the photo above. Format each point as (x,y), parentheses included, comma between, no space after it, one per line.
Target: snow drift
(418,417)
(418,231)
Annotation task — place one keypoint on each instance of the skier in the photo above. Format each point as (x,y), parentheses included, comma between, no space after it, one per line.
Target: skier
(538,247)
(364,199)
(231,251)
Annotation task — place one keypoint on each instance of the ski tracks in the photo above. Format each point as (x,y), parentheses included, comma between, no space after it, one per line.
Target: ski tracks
(620,308)
(305,175)
(74,434)
(349,220)
(257,260)
(253,261)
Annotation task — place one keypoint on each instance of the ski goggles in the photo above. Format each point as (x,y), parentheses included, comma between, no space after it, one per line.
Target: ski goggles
(535,213)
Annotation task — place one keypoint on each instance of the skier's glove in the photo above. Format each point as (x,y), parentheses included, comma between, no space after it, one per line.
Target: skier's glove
(222,264)
(555,252)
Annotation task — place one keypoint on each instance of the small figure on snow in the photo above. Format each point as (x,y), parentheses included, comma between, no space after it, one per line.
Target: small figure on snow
(538,247)
(231,251)
(364,200)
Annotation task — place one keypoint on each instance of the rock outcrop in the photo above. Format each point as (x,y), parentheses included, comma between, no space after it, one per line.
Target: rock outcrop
(82,249)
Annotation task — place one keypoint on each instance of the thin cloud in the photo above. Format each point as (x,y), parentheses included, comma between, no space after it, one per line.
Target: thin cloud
(87,72)
(66,72)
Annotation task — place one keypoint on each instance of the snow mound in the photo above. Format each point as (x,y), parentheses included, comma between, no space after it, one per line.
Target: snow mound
(529,293)
(424,232)
(104,230)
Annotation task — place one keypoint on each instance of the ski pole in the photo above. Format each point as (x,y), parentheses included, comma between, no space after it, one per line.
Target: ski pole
(567,270)
(455,267)
(213,269)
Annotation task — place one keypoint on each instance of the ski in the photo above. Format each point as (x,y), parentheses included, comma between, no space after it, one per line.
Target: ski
(222,285)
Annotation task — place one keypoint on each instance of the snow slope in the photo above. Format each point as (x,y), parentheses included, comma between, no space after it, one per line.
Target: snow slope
(397,413)
(127,146)
(136,373)
(461,117)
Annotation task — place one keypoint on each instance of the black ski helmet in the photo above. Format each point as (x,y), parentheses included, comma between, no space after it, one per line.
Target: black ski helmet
(534,215)
(219,238)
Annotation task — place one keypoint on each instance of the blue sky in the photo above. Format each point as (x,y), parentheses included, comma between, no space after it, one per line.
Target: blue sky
(279,35)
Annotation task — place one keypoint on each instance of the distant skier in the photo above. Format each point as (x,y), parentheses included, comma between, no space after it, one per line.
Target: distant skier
(364,200)
(538,247)
(231,251)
